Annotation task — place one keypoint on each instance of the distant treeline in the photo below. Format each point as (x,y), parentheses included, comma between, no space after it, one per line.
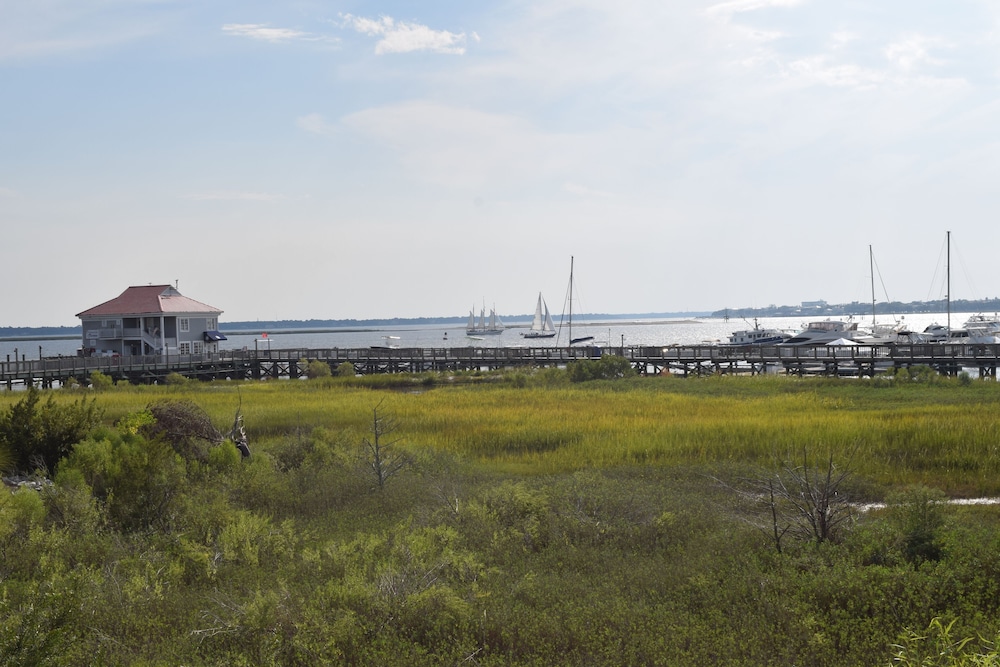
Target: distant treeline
(36,333)
(415,321)
(825,310)
(862,309)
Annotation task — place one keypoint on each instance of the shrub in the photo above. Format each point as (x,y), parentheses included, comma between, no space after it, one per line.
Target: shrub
(175,379)
(608,367)
(318,369)
(346,369)
(100,382)
(185,426)
(917,515)
(135,478)
(39,434)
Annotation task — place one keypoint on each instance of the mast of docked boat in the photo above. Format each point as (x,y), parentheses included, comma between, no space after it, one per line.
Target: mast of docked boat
(571,300)
(871,268)
(947,295)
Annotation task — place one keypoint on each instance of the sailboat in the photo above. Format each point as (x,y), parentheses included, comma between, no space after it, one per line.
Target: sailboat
(493,326)
(569,299)
(883,333)
(979,328)
(541,325)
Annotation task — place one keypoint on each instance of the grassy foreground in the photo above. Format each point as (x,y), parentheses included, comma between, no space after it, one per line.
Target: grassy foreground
(536,522)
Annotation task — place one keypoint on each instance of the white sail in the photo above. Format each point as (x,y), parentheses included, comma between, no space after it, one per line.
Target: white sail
(493,325)
(539,321)
(541,324)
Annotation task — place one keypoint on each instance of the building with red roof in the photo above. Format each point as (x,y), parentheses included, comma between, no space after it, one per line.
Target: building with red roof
(150,320)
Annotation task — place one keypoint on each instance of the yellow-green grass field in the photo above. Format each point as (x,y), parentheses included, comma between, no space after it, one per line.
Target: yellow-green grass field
(945,434)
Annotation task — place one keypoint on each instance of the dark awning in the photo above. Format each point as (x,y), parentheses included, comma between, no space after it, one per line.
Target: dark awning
(211,336)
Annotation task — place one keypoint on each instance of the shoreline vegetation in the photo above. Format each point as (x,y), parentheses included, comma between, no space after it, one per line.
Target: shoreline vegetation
(556,516)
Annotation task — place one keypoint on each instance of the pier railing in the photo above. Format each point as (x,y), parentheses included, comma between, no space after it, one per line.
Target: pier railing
(288,363)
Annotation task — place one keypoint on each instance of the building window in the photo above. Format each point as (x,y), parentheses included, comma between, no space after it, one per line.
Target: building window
(196,347)
(185,324)
(111,324)
(184,348)
(211,324)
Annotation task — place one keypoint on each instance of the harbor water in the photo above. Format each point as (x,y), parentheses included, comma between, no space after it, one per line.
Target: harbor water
(613,333)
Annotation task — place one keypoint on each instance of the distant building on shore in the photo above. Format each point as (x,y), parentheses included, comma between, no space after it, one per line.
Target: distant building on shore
(150,320)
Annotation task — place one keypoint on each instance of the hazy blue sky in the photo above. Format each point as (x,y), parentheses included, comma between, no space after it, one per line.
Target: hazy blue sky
(307,159)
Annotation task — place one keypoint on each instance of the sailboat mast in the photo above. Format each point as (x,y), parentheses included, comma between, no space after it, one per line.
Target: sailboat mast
(571,299)
(871,268)
(947,295)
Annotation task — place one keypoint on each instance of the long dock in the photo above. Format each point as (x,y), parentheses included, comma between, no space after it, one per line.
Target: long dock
(686,360)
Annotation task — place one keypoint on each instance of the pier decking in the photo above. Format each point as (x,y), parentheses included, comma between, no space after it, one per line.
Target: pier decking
(689,360)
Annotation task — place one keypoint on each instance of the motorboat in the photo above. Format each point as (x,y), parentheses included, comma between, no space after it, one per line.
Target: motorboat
(934,333)
(982,329)
(758,336)
(822,332)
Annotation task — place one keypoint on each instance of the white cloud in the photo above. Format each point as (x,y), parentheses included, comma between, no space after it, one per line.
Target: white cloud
(820,70)
(225,195)
(842,38)
(910,52)
(466,148)
(268,34)
(403,37)
(727,9)
(584,191)
(316,124)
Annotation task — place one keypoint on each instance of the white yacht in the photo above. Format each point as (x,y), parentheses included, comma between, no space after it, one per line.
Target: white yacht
(982,329)
(758,336)
(823,332)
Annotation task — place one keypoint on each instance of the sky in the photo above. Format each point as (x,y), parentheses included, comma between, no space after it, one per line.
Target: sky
(354,160)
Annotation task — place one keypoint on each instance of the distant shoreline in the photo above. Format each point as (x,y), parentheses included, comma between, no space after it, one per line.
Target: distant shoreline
(821,310)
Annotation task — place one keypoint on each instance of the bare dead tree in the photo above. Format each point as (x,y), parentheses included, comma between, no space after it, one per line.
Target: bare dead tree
(799,500)
(813,498)
(238,433)
(382,458)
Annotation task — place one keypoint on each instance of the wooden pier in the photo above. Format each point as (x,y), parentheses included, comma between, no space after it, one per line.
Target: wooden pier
(692,360)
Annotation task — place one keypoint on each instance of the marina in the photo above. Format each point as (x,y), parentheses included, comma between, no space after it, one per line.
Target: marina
(683,360)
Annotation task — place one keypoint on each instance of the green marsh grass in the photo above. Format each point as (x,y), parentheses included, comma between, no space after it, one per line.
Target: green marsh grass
(945,435)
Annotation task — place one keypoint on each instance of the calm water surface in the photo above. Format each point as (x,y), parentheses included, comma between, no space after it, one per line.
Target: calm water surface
(607,333)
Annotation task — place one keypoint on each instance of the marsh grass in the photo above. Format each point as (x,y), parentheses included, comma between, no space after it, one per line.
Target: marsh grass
(945,435)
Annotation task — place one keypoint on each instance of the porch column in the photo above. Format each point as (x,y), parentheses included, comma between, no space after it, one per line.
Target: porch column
(163,337)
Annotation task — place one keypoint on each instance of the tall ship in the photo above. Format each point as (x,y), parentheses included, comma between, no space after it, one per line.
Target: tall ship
(483,326)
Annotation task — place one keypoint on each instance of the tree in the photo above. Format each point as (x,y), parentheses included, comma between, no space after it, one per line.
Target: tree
(39,434)
(382,458)
(802,501)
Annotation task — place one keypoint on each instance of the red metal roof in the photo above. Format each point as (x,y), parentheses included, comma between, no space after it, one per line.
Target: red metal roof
(149,300)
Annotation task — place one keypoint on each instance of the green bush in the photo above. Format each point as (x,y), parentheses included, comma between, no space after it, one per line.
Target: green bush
(136,479)
(175,379)
(38,434)
(608,367)
(101,382)
(917,515)
(317,369)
